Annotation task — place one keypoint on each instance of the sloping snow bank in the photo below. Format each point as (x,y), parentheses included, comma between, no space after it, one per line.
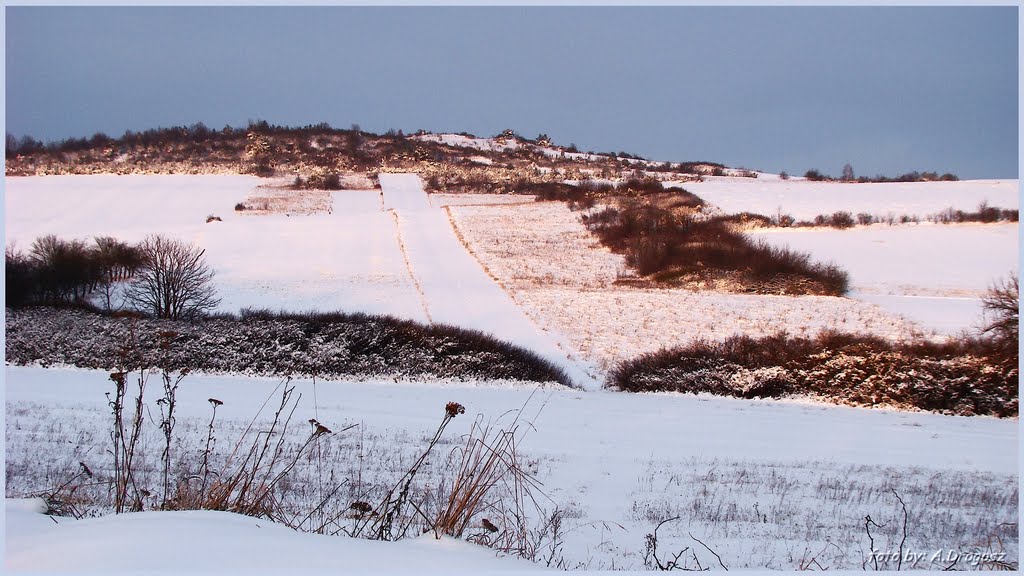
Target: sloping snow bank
(217,542)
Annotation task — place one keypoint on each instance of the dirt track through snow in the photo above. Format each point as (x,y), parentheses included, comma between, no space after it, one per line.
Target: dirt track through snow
(455,288)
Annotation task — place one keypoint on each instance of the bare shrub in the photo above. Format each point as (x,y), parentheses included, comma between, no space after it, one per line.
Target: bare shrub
(250,486)
(174,280)
(672,246)
(1002,307)
(841,220)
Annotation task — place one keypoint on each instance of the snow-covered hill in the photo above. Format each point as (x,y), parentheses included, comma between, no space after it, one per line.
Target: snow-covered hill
(762,483)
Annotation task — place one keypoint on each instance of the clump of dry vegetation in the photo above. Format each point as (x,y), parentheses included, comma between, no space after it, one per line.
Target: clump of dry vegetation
(966,376)
(667,239)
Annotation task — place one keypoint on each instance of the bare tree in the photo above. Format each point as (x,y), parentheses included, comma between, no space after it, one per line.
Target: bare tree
(173,281)
(1001,304)
(115,261)
(848,173)
(64,269)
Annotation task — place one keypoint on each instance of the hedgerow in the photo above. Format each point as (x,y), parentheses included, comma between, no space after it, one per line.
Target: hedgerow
(968,376)
(270,344)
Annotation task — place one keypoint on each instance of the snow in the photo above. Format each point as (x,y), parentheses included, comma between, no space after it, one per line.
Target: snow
(217,542)
(615,463)
(566,281)
(805,199)
(128,207)
(455,289)
(503,144)
(348,259)
(468,199)
(486,144)
(935,274)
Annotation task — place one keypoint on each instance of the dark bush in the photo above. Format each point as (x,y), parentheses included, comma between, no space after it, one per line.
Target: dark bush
(669,246)
(841,220)
(20,277)
(65,270)
(640,187)
(328,181)
(260,342)
(956,377)
(683,197)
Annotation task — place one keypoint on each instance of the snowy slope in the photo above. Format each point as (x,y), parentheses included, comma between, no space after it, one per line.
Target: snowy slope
(128,207)
(455,289)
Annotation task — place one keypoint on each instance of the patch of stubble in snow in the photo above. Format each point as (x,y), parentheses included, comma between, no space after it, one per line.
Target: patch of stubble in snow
(564,279)
(615,464)
(455,288)
(469,199)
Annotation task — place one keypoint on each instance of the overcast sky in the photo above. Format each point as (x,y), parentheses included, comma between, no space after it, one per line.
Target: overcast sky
(888,90)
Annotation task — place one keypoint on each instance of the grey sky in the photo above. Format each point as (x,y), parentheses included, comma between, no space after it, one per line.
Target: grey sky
(888,90)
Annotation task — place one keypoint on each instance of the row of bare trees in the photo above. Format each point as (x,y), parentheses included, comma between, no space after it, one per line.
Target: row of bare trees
(160,276)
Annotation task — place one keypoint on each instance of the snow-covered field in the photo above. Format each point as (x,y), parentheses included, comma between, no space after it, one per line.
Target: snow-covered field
(763,483)
(934,274)
(805,199)
(453,286)
(348,259)
(566,283)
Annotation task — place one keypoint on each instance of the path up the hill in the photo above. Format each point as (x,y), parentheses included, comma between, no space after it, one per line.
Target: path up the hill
(454,287)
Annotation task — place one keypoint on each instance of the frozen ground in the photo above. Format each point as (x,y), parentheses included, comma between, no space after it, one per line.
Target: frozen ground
(805,199)
(763,483)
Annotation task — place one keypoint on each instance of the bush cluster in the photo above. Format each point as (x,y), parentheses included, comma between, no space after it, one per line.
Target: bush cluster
(984,213)
(915,176)
(671,245)
(317,181)
(586,194)
(967,377)
(57,271)
(273,344)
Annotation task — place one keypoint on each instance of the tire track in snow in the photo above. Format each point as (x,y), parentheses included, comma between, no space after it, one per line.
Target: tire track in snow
(408,266)
(452,282)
